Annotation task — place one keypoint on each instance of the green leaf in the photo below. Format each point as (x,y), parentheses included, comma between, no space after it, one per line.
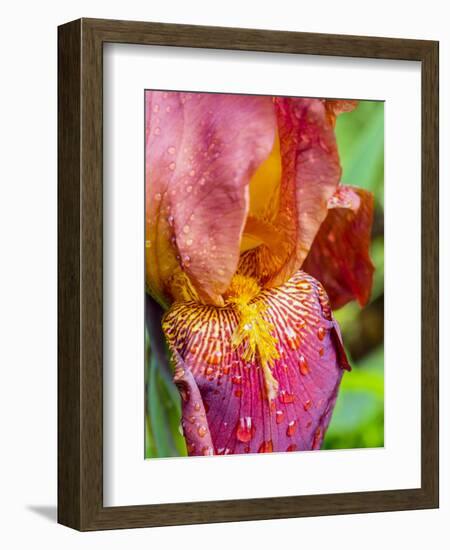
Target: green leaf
(358,418)
(163,411)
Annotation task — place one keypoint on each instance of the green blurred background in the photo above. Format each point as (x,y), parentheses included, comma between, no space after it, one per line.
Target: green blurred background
(358,419)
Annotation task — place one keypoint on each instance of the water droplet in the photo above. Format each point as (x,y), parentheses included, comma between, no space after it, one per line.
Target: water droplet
(207,451)
(226,369)
(214,358)
(186,261)
(171,150)
(202,181)
(236,379)
(158,196)
(157,131)
(266,447)
(293,339)
(307,404)
(292,426)
(303,285)
(172,166)
(303,365)
(156,108)
(197,406)
(192,173)
(245,429)
(186,229)
(189,242)
(188,188)
(286,397)
(321,333)
(168,109)
(279,417)
(170,219)
(209,370)
(289,332)
(291,448)
(202,431)
(190,448)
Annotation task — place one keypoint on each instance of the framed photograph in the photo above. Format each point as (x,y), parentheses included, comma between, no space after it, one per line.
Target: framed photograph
(248,274)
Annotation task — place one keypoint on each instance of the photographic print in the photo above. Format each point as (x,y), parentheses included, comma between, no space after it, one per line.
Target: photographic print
(264,254)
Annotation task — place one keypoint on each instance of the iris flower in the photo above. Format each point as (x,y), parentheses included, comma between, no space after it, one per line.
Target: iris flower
(251,241)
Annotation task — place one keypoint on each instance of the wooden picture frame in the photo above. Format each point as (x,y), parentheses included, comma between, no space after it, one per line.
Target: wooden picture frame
(80,272)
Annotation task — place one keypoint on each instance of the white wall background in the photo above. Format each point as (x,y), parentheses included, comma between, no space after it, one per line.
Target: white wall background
(28,273)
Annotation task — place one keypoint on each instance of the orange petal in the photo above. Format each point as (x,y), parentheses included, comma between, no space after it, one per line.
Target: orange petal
(201,151)
(335,107)
(339,257)
(310,176)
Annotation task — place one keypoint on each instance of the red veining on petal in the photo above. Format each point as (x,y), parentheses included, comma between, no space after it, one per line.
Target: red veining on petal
(310,175)
(339,256)
(240,417)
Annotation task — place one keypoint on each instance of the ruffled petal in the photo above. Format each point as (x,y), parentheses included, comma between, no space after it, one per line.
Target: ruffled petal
(240,416)
(310,175)
(335,107)
(201,151)
(339,257)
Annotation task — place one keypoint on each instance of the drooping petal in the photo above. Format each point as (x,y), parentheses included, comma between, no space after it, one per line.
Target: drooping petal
(240,416)
(339,257)
(310,176)
(194,422)
(201,151)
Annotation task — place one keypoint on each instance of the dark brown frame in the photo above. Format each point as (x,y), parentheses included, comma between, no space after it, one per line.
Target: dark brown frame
(80,272)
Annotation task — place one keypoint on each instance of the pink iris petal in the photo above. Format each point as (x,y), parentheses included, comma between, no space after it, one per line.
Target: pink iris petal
(339,257)
(194,422)
(240,417)
(201,151)
(310,175)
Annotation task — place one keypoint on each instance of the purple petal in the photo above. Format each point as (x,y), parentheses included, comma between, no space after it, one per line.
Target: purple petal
(241,418)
